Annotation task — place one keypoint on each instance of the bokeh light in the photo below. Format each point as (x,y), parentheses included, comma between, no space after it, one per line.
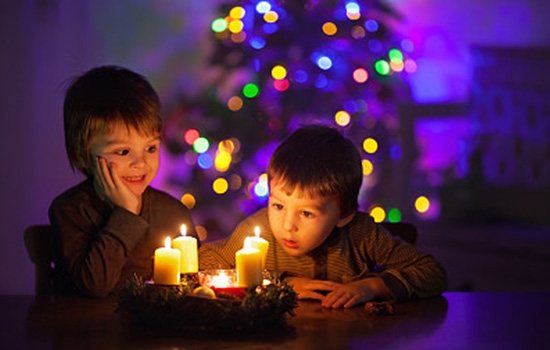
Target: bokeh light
(382,67)
(220,185)
(201,145)
(205,161)
(237,12)
(251,90)
(222,161)
(236,26)
(378,214)
(191,136)
(271,17)
(278,72)
(235,103)
(281,85)
(422,204)
(368,167)
(219,25)
(370,145)
(394,215)
(329,28)
(360,75)
(263,7)
(342,118)
(189,200)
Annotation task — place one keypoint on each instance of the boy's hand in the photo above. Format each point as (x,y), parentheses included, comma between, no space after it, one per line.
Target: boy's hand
(107,182)
(357,292)
(307,288)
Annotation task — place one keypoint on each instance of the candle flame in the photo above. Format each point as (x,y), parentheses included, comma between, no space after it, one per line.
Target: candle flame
(183,230)
(168,242)
(257,231)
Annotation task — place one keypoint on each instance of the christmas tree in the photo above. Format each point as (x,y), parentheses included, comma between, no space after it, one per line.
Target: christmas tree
(279,64)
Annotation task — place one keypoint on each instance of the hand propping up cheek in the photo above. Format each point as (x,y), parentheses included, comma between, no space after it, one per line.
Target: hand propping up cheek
(357,292)
(307,288)
(108,183)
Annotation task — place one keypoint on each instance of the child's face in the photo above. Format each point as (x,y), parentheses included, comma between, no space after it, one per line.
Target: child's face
(301,223)
(137,156)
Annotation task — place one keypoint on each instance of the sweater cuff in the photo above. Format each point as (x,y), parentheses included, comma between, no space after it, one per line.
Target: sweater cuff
(127,227)
(396,287)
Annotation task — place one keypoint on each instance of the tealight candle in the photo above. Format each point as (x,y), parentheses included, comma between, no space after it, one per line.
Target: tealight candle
(166,267)
(259,243)
(249,267)
(187,245)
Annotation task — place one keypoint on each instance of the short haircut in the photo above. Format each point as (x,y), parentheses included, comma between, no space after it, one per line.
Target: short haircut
(319,160)
(101,98)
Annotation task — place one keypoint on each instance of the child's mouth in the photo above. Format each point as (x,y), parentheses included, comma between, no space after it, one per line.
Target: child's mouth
(290,244)
(134,178)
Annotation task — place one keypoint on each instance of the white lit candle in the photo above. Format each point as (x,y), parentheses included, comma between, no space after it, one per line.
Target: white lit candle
(259,243)
(167,264)
(187,245)
(249,267)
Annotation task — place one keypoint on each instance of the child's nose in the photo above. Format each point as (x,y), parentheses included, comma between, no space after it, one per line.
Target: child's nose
(138,160)
(289,222)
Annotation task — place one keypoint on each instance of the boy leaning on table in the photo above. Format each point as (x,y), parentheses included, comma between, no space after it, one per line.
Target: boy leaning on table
(326,248)
(107,227)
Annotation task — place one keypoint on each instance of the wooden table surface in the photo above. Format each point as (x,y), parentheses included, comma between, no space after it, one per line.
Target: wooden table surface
(453,321)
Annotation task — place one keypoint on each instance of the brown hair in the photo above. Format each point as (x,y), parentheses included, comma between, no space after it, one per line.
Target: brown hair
(102,98)
(319,160)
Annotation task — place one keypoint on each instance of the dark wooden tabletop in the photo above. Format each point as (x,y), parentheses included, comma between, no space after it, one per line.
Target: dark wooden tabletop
(452,321)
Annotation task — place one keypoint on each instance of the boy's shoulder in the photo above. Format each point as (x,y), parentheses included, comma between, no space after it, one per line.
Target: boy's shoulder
(79,193)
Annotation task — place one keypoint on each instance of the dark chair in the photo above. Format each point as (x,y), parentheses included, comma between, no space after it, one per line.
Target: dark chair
(39,244)
(407,231)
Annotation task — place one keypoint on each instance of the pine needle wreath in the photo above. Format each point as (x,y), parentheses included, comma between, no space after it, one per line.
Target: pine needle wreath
(177,308)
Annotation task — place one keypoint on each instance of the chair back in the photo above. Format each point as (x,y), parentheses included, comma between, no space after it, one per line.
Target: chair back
(407,231)
(39,244)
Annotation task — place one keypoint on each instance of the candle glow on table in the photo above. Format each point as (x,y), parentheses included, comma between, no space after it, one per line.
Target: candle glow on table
(259,243)
(249,267)
(166,267)
(222,281)
(187,245)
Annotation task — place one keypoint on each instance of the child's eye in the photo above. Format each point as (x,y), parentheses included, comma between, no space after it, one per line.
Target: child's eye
(307,214)
(152,149)
(122,152)
(277,206)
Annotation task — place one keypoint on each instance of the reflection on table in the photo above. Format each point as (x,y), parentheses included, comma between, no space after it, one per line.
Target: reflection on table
(452,321)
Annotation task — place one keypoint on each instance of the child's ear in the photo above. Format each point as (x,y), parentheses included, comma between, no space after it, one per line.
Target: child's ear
(344,221)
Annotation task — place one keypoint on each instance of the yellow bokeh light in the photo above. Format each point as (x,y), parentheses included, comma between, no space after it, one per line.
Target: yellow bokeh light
(235,103)
(367,167)
(422,204)
(329,28)
(226,146)
(378,214)
(271,17)
(222,161)
(237,12)
(236,26)
(278,72)
(220,185)
(189,200)
(342,118)
(370,145)
(263,178)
